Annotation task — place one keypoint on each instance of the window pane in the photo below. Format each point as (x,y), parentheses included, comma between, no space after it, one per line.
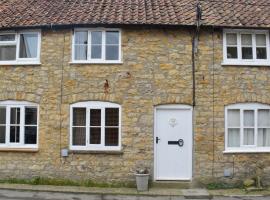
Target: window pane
(15,116)
(233,137)
(234,118)
(80,52)
(249,118)
(263,137)
(78,136)
(261,40)
(264,118)
(31,116)
(111,117)
(112,37)
(15,134)
(2,134)
(81,37)
(112,52)
(7,53)
(10,37)
(95,135)
(232,52)
(2,115)
(111,136)
(246,39)
(79,116)
(30,136)
(261,53)
(248,136)
(96,37)
(96,51)
(28,45)
(95,117)
(247,53)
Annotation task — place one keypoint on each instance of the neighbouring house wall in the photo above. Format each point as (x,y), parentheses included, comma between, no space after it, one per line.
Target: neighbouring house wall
(156,70)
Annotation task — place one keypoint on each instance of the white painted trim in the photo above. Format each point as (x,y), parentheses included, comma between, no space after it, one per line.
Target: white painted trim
(173,107)
(96,105)
(96,61)
(239,60)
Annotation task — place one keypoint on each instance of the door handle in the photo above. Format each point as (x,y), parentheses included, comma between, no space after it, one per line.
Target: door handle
(157,139)
(179,142)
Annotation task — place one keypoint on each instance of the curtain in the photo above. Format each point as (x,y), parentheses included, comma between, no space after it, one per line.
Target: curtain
(81,41)
(264,137)
(79,126)
(249,118)
(261,40)
(246,39)
(248,136)
(233,137)
(231,39)
(28,45)
(233,118)
(264,118)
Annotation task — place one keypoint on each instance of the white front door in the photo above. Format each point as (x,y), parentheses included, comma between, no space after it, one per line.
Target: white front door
(173,142)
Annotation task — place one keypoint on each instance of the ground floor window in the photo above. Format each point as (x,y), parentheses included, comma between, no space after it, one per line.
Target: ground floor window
(247,127)
(95,126)
(18,124)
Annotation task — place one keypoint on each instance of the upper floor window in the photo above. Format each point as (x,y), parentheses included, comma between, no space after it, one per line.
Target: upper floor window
(18,124)
(243,47)
(96,46)
(247,127)
(20,48)
(95,126)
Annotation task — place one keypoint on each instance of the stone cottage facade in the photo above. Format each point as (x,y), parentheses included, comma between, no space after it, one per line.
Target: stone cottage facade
(94,97)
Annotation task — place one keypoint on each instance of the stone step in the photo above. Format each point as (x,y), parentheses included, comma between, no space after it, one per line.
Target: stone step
(172,184)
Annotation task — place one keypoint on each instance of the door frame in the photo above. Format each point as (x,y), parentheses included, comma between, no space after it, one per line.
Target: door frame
(171,107)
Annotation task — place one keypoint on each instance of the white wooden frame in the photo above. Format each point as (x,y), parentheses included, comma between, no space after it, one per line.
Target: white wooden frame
(95,105)
(16,43)
(96,61)
(172,107)
(239,60)
(19,104)
(245,148)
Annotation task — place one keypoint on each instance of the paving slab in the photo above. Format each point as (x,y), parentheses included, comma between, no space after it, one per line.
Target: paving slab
(196,194)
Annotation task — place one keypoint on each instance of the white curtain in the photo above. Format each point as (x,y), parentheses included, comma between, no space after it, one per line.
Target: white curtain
(264,118)
(264,137)
(28,45)
(246,39)
(81,41)
(233,118)
(233,137)
(249,118)
(260,40)
(248,136)
(231,39)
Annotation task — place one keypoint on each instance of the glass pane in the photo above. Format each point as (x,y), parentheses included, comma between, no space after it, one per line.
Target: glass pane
(264,118)
(261,40)
(31,116)
(249,118)
(2,115)
(96,37)
(15,116)
(112,52)
(246,39)
(231,52)
(112,37)
(233,137)
(10,37)
(79,116)
(2,134)
(95,117)
(7,53)
(111,136)
(261,53)
(81,37)
(95,135)
(263,137)
(30,135)
(80,52)
(78,136)
(111,117)
(231,39)
(234,118)
(28,45)
(247,53)
(15,134)
(248,136)
(96,51)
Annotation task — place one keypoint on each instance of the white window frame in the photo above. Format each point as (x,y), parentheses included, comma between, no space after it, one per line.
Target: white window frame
(245,148)
(96,61)
(18,60)
(95,105)
(21,105)
(239,60)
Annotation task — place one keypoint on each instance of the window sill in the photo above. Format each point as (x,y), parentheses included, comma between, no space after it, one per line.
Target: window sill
(111,152)
(17,63)
(226,63)
(26,150)
(94,63)
(247,151)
